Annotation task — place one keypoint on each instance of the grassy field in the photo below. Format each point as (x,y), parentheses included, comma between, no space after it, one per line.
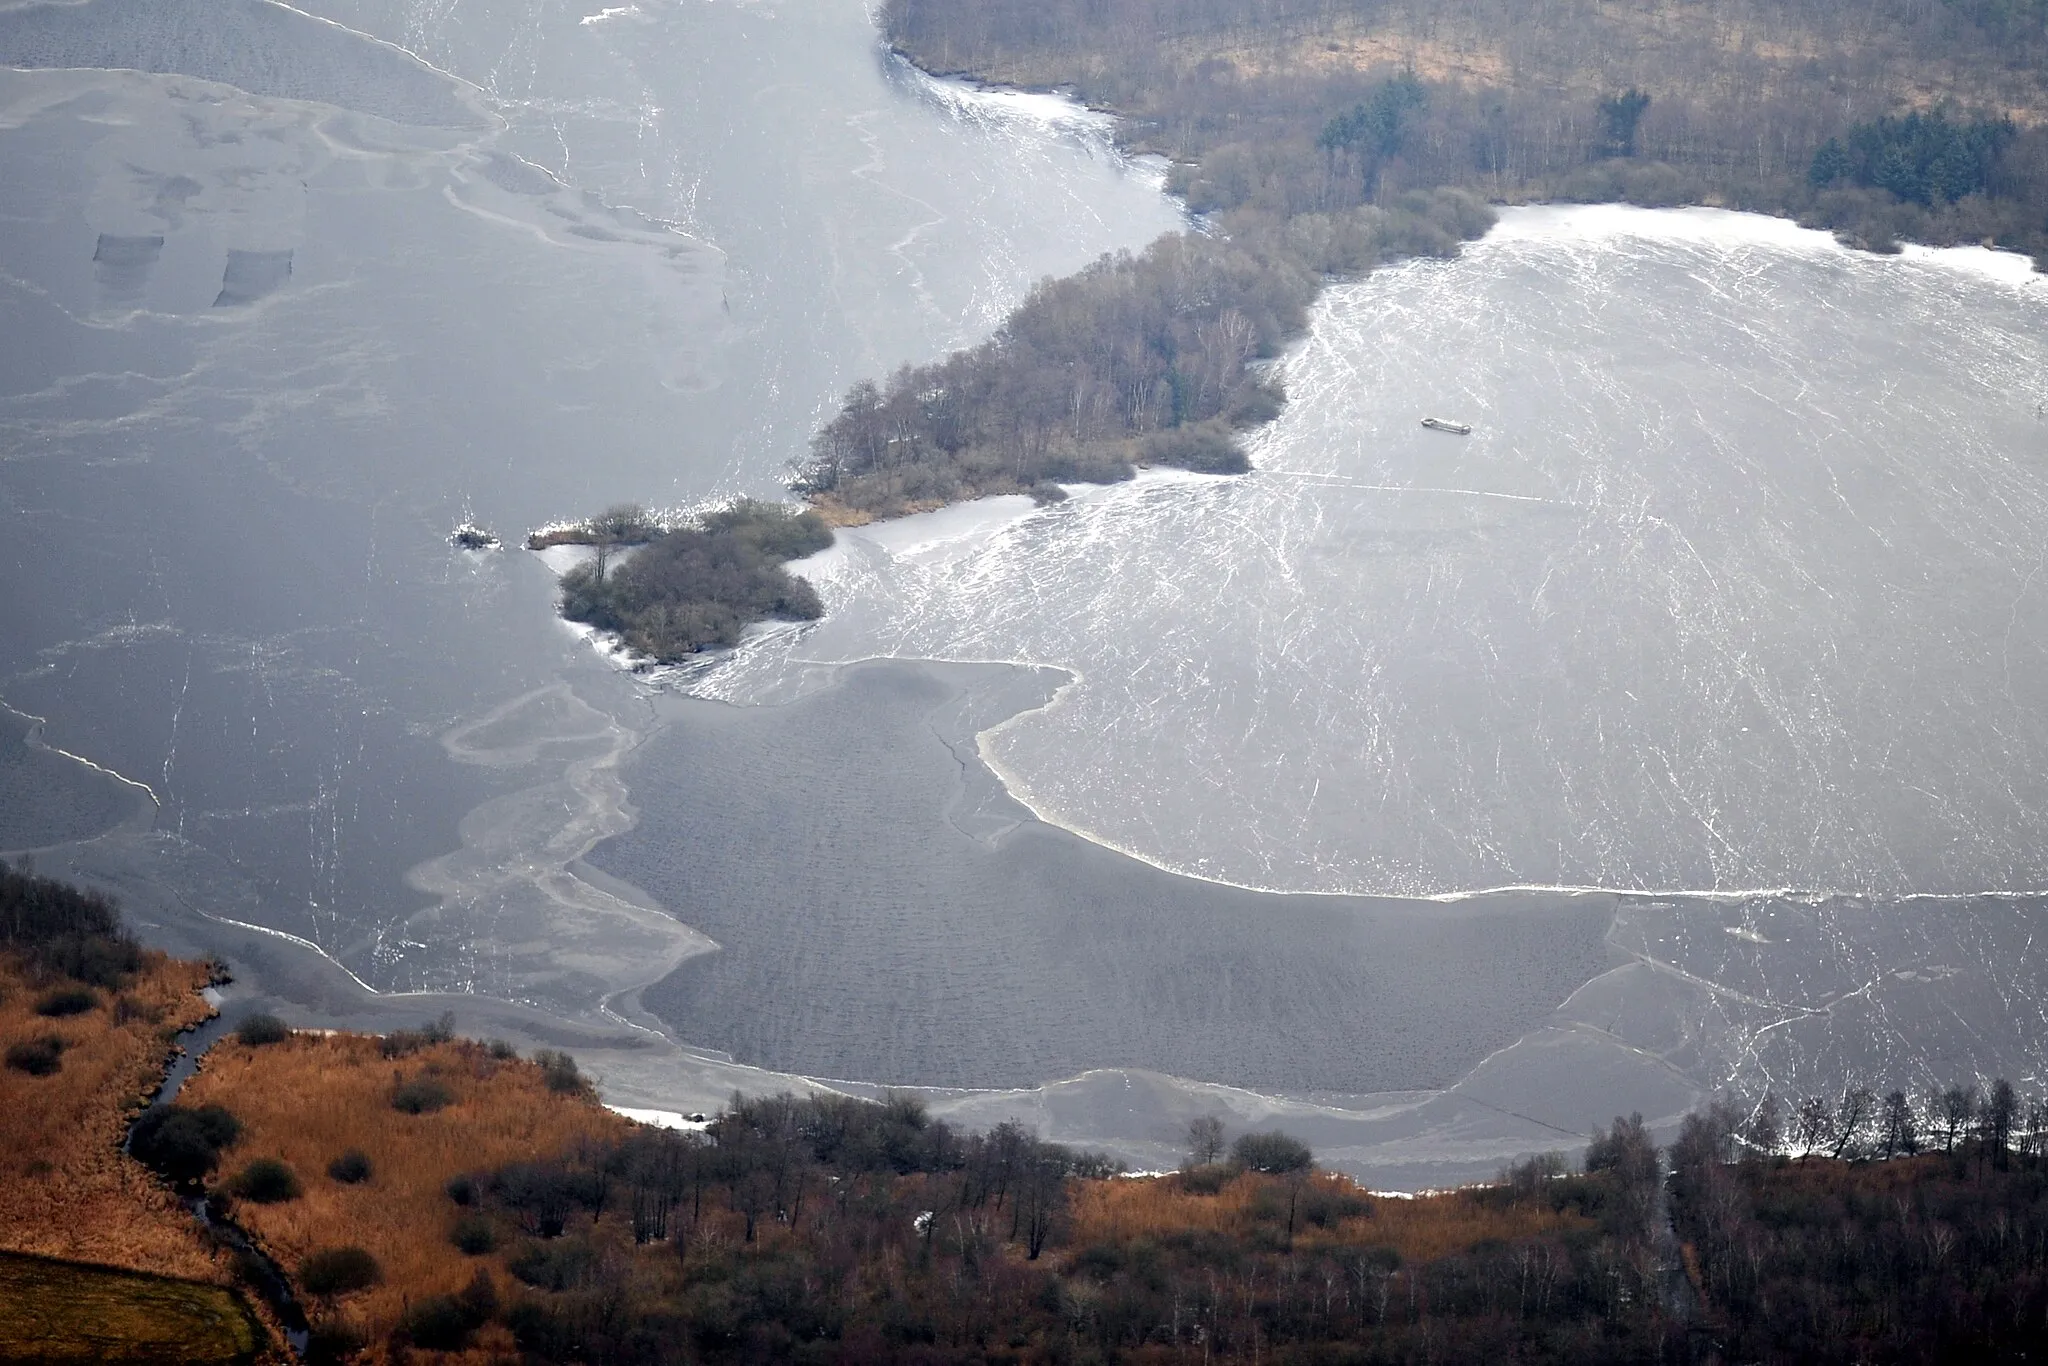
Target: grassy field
(312,1098)
(55,1312)
(66,1188)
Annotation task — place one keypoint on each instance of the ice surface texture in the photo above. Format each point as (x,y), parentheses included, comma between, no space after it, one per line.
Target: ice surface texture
(1736,585)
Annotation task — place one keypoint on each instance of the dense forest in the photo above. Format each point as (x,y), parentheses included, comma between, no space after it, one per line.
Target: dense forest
(693,585)
(1320,137)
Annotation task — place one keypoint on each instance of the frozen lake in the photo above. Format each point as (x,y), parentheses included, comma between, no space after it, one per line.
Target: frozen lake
(1680,729)
(1736,585)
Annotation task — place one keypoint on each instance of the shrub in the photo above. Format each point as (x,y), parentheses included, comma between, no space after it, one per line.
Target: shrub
(1206,448)
(266,1181)
(461,1189)
(37,1057)
(443,1323)
(261,1029)
(1324,1205)
(420,1096)
(401,1043)
(474,1235)
(437,1323)
(66,1001)
(560,1071)
(351,1168)
(543,1194)
(338,1271)
(183,1144)
(1206,1179)
(1273,1152)
(333,1341)
(501,1051)
(554,1265)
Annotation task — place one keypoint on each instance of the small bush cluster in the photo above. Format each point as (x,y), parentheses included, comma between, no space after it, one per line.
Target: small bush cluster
(262,1029)
(61,931)
(445,1323)
(42,1057)
(403,1043)
(352,1168)
(66,1001)
(563,1077)
(183,1144)
(421,1096)
(474,1236)
(265,1181)
(335,1271)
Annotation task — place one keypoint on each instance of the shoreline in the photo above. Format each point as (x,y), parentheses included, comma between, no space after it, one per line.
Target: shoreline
(1416,1139)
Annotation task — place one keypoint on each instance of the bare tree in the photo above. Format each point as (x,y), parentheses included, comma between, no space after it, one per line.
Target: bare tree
(1041,1199)
(1996,1119)
(1955,1107)
(1814,1126)
(1853,1115)
(1765,1130)
(2034,1141)
(1205,1140)
(618,525)
(1900,1130)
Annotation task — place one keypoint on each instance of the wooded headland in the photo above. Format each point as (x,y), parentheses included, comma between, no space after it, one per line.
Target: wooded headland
(1321,137)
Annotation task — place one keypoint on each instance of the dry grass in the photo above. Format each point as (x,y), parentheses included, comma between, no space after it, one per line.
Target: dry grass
(310,1099)
(1421,1229)
(66,1189)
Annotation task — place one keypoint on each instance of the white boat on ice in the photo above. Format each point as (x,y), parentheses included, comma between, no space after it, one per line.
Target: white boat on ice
(1440,424)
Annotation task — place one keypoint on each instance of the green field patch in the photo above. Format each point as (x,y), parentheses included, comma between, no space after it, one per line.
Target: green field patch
(56,1311)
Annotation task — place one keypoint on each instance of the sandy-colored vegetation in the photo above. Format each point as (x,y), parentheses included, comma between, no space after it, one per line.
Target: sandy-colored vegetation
(66,1188)
(1332,1212)
(58,1313)
(312,1098)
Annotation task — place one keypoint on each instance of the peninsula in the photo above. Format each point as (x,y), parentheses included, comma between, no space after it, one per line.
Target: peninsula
(1316,141)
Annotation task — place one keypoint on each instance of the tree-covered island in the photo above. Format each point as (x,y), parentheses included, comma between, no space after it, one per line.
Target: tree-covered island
(692,585)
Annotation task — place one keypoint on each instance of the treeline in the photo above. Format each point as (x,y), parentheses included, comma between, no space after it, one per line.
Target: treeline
(693,585)
(1322,137)
(1153,358)
(1921,159)
(1995,1122)
(1921,1258)
(61,931)
(829,1229)
(832,1229)
(1721,101)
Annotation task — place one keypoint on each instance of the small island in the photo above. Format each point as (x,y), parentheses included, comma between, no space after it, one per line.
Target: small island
(691,585)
